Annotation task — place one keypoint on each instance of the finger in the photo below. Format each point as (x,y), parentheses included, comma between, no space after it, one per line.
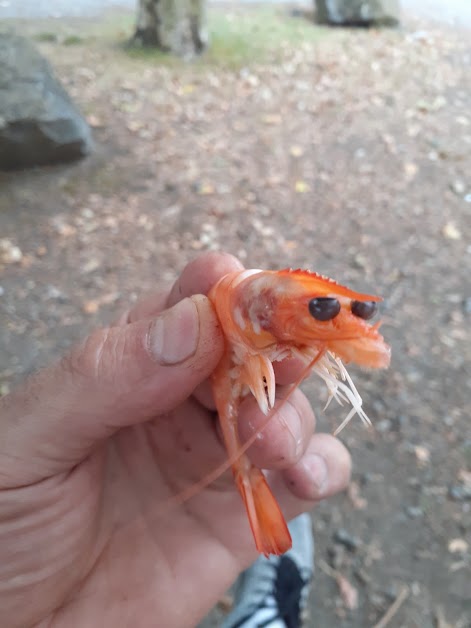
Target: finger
(204,394)
(197,278)
(284,439)
(323,471)
(201,274)
(289,371)
(117,377)
(147,307)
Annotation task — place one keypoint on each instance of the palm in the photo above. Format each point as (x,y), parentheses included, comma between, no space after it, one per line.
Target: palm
(133,546)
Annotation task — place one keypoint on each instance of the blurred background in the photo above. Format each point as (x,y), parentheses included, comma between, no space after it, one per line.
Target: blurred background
(288,137)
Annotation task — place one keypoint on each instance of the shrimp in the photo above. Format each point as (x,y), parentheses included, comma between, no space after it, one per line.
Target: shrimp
(267,316)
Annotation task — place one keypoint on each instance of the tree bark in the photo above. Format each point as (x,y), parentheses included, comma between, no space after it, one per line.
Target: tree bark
(176,26)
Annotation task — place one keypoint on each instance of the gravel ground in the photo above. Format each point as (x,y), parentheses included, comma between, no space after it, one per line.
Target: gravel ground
(348,153)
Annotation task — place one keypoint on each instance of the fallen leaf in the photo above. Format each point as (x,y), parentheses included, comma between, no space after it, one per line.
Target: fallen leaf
(458,546)
(4,389)
(188,89)
(410,170)
(90,307)
(422,454)
(205,188)
(271,119)
(9,252)
(296,151)
(348,592)
(135,126)
(301,187)
(451,231)
(94,121)
(354,495)
(464,476)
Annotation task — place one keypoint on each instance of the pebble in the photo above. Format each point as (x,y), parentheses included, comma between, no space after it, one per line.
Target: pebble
(9,252)
(459,493)
(346,539)
(458,187)
(383,426)
(414,512)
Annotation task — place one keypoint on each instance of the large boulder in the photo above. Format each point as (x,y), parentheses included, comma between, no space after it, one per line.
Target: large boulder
(358,12)
(39,124)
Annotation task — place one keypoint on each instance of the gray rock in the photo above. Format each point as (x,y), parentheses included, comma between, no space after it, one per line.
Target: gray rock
(39,124)
(358,12)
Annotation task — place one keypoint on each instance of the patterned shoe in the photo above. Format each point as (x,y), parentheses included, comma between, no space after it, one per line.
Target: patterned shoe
(273,592)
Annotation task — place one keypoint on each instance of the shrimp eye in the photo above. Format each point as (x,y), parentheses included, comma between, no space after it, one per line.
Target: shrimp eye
(364,309)
(324,308)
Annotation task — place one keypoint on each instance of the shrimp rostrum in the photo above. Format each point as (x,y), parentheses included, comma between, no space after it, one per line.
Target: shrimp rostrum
(268,316)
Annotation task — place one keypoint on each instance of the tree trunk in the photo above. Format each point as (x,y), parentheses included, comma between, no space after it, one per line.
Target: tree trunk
(176,26)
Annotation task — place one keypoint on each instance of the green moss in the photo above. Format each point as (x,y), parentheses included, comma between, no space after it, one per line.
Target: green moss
(46,37)
(256,36)
(72,40)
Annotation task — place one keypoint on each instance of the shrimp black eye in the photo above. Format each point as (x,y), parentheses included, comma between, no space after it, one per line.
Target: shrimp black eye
(364,309)
(324,308)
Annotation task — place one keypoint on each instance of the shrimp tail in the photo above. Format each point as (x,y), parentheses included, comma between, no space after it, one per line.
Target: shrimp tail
(268,524)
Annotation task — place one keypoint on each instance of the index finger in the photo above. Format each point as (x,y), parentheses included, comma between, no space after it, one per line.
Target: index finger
(196,278)
(201,274)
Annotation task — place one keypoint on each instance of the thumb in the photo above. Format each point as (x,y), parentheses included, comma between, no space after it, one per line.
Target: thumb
(117,377)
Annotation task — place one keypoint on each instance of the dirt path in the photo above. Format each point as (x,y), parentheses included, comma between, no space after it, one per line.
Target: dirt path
(349,153)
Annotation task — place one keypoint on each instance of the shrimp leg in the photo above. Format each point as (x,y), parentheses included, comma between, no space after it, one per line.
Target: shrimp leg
(268,525)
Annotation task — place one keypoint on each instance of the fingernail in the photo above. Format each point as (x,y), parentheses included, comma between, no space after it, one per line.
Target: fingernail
(317,468)
(174,335)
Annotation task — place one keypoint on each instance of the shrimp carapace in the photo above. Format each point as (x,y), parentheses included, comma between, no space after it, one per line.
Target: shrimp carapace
(267,316)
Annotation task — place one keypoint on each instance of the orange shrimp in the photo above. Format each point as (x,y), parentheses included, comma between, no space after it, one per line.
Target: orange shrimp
(268,316)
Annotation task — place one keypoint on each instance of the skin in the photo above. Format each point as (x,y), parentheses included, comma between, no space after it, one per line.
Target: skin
(93,448)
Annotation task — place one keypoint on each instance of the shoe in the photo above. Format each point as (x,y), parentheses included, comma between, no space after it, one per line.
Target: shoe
(273,592)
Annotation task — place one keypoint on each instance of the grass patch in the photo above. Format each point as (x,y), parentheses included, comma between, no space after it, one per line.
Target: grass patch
(258,35)
(73,40)
(242,38)
(46,37)
(239,37)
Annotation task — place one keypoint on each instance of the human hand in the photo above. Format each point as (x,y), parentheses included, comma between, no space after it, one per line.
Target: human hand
(93,448)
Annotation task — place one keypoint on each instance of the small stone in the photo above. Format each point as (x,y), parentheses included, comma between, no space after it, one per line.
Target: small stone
(349,541)
(383,426)
(414,512)
(458,546)
(451,231)
(54,293)
(422,454)
(467,305)
(459,493)
(458,187)
(9,252)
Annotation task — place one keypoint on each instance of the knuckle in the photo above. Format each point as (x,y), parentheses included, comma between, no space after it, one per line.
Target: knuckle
(89,359)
